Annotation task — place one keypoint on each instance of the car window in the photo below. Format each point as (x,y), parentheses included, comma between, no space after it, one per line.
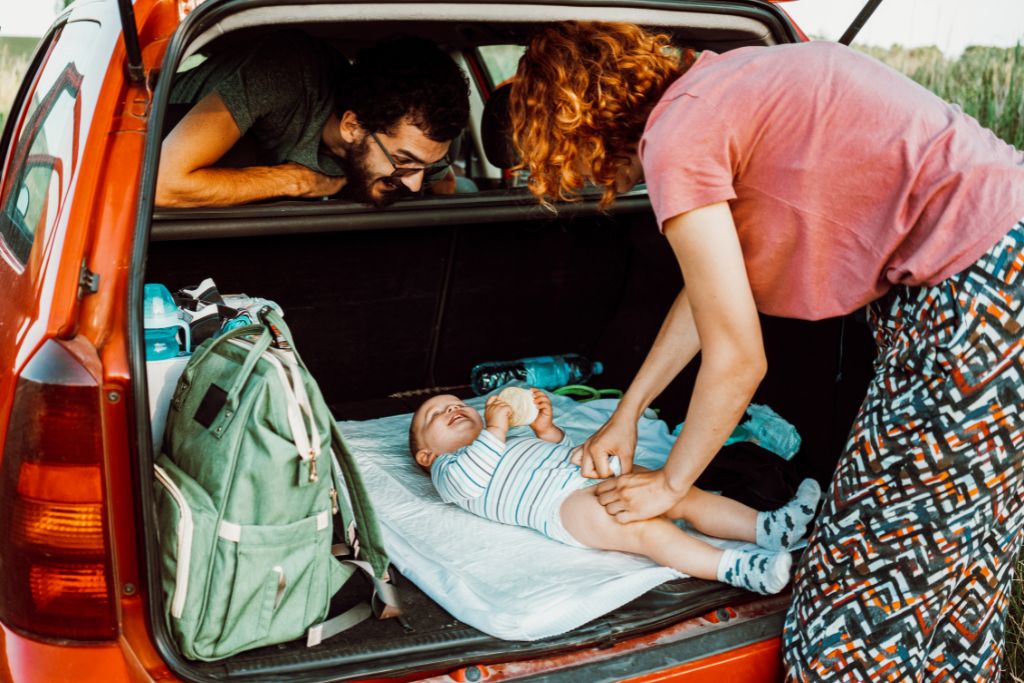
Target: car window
(43,157)
(500,61)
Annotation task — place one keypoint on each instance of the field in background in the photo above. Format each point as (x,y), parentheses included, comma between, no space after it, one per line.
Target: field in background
(988,82)
(15,54)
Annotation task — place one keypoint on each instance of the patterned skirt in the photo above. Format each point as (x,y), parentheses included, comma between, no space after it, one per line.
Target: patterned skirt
(909,569)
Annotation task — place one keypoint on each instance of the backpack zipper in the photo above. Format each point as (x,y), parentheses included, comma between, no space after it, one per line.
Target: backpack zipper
(184,559)
(306,447)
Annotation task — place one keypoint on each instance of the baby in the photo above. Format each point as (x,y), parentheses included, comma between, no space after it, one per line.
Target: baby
(531,481)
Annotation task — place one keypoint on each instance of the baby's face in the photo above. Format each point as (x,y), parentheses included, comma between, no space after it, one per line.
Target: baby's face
(445,424)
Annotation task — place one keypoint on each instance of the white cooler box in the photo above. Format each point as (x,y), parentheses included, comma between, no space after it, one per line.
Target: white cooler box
(163,378)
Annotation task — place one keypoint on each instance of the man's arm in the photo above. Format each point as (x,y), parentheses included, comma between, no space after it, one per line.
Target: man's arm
(199,140)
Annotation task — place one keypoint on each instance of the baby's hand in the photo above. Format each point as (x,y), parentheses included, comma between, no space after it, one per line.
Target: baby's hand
(545,415)
(544,426)
(497,414)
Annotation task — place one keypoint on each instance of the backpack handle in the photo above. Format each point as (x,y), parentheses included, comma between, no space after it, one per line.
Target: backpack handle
(261,345)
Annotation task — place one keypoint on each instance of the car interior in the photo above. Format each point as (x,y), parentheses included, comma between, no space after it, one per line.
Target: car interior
(389,306)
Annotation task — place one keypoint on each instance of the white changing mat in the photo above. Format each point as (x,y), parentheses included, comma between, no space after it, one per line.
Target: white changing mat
(506,581)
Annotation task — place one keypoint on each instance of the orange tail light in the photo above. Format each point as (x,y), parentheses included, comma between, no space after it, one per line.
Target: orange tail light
(55,566)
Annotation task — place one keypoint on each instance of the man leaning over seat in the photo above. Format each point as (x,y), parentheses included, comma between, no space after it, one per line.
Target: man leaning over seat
(288,116)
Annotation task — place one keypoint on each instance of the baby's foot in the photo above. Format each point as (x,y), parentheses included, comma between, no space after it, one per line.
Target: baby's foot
(755,570)
(783,527)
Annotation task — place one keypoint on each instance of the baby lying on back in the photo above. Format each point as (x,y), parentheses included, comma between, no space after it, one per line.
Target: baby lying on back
(533,481)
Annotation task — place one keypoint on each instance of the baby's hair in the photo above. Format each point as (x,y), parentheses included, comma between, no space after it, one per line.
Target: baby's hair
(414,441)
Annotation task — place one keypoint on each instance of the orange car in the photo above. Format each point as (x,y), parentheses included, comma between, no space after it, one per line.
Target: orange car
(381,301)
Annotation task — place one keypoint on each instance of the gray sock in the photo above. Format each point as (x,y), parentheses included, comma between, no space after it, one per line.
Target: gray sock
(755,570)
(782,528)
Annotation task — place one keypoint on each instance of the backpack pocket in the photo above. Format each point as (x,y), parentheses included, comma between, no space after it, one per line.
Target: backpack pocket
(269,583)
(187,520)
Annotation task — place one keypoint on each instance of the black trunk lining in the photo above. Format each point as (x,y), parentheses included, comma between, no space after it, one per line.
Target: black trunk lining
(379,312)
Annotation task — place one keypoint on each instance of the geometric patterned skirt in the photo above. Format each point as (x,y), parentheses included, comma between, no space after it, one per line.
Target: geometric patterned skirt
(909,569)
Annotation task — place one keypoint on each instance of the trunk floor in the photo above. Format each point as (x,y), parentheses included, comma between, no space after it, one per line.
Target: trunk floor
(426,638)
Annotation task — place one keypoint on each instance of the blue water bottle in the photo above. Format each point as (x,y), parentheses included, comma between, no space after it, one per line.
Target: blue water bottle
(543,372)
(161,322)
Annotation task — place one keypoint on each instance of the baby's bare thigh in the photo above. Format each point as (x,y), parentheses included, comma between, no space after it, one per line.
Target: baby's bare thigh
(586,520)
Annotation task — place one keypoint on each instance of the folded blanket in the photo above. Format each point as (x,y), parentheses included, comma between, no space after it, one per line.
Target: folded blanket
(506,581)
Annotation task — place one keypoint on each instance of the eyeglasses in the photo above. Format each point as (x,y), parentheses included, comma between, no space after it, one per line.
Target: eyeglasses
(433,169)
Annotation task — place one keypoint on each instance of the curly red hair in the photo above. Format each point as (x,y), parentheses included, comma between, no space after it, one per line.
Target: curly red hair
(580,99)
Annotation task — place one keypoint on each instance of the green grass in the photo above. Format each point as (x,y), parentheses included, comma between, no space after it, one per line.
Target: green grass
(1013,665)
(988,83)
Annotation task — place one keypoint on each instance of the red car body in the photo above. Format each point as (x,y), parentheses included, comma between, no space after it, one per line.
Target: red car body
(73,601)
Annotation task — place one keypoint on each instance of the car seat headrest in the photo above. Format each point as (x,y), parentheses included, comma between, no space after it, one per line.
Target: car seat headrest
(496,129)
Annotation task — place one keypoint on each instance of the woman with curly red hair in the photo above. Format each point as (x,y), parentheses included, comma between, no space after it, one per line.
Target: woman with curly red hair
(809,181)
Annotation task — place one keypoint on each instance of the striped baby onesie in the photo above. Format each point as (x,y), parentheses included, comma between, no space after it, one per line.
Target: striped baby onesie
(522,481)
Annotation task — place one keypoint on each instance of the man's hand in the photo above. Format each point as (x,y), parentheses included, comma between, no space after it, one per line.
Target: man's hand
(498,416)
(544,426)
(616,437)
(634,497)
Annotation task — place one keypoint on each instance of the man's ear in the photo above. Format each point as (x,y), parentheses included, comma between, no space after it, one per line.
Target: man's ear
(425,458)
(349,127)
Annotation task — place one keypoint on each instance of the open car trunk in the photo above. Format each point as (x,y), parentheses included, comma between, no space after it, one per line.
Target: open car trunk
(382,311)
(409,298)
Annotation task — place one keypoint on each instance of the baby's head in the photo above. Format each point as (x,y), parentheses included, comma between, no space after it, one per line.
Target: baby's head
(443,424)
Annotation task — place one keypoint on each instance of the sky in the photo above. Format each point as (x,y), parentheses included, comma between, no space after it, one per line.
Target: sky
(950,24)
(27,18)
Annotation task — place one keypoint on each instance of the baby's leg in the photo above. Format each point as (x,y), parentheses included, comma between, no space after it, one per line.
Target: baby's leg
(727,518)
(715,515)
(586,520)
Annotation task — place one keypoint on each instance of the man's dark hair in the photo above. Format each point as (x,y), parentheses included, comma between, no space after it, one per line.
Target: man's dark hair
(407,77)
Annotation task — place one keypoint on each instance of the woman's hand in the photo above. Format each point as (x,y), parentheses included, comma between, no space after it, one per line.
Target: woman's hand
(634,497)
(616,437)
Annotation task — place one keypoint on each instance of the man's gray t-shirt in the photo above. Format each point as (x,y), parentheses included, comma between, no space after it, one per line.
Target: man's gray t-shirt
(280,90)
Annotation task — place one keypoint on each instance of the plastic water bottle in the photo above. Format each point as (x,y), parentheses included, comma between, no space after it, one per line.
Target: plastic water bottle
(543,372)
(769,430)
(162,320)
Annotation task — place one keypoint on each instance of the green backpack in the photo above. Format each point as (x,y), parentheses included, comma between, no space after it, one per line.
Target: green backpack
(252,476)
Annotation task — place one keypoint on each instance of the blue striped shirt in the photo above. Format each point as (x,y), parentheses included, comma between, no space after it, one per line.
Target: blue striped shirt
(516,482)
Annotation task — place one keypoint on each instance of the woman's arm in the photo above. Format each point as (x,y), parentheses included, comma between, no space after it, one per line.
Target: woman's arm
(674,347)
(732,361)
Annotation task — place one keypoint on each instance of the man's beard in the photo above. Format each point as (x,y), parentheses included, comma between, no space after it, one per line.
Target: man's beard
(359,182)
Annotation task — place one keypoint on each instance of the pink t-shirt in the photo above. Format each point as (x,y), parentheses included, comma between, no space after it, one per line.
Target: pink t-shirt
(844,177)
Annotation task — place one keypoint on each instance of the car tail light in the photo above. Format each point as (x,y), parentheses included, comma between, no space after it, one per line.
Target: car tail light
(55,576)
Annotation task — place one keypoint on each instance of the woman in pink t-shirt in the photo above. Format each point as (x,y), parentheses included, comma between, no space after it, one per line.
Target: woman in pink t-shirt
(809,181)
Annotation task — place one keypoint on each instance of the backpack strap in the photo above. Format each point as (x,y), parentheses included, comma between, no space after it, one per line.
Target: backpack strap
(360,530)
(368,547)
(231,398)
(335,625)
